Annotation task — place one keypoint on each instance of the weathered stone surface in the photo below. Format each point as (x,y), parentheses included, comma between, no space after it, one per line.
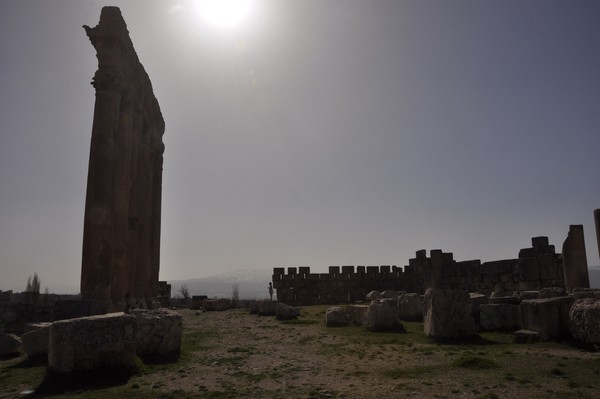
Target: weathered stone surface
(286,312)
(10,344)
(410,306)
(477,299)
(336,317)
(383,315)
(548,316)
(121,237)
(513,300)
(575,260)
(267,308)
(582,293)
(90,342)
(552,292)
(501,316)
(158,333)
(35,340)
(448,314)
(389,294)
(584,320)
(357,314)
(523,295)
(373,296)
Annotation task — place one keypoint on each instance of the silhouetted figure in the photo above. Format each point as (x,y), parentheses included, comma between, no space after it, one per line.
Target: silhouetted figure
(271,290)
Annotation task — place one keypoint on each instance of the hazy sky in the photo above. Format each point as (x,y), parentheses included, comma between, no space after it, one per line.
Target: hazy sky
(316,132)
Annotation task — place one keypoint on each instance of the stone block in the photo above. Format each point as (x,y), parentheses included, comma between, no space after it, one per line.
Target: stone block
(91,342)
(158,333)
(410,306)
(523,295)
(501,316)
(35,339)
(10,344)
(357,314)
(582,293)
(267,308)
(552,292)
(373,295)
(548,316)
(336,317)
(513,300)
(448,314)
(286,312)
(584,320)
(477,299)
(382,315)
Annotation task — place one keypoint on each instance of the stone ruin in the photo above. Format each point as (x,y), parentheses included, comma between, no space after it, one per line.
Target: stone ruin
(121,234)
(121,238)
(535,268)
(540,295)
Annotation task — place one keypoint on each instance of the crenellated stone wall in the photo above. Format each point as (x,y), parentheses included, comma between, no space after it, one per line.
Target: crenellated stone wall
(121,238)
(536,267)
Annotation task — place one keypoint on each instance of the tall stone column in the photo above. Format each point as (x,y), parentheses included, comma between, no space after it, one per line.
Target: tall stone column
(597,220)
(97,255)
(121,242)
(575,259)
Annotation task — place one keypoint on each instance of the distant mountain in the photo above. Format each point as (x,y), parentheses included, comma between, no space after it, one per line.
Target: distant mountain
(252,284)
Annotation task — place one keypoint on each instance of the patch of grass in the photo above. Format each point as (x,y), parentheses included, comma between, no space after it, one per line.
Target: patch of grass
(475,362)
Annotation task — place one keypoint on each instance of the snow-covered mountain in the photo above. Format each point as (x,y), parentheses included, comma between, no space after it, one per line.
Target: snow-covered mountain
(252,284)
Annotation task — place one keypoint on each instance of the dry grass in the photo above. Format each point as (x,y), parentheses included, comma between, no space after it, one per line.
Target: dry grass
(235,354)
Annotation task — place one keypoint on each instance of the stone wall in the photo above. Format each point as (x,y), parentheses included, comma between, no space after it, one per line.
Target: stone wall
(536,267)
(121,238)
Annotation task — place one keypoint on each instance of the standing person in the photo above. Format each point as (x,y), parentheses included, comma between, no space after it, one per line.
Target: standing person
(271,290)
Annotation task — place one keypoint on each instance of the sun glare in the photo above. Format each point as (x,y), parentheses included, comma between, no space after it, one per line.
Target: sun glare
(224,13)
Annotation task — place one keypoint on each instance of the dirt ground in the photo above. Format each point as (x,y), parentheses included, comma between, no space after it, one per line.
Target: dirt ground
(237,354)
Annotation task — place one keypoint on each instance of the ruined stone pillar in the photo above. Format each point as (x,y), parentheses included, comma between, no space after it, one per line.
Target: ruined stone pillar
(575,260)
(121,244)
(597,220)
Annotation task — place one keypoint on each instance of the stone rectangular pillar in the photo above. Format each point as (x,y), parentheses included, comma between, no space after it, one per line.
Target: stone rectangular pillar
(575,260)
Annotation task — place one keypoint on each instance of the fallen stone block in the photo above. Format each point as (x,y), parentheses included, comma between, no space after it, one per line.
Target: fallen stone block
(584,320)
(286,312)
(92,342)
(357,314)
(582,293)
(477,299)
(552,292)
(410,307)
(267,308)
(547,316)
(373,295)
(501,316)
(336,317)
(158,333)
(448,314)
(10,345)
(35,340)
(383,315)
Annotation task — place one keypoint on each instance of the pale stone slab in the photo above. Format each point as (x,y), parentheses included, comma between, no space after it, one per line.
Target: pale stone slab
(448,314)
(90,342)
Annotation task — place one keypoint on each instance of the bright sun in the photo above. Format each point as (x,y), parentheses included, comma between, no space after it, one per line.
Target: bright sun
(224,13)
